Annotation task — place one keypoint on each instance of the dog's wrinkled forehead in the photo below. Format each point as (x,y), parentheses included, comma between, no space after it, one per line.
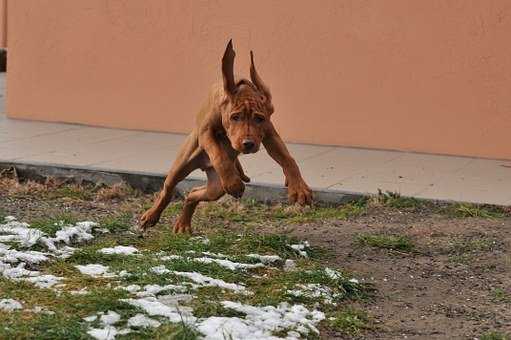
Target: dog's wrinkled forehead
(249,99)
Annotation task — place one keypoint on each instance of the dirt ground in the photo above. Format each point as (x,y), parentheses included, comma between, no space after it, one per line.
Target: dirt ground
(454,282)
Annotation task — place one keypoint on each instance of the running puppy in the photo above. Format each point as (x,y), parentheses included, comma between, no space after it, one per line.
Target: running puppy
(235,119)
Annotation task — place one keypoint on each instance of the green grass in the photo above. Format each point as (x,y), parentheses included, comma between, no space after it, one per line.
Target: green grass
(117,223)
(493,335)
(349,321)
(465,210)
(83,193)
(475,244)
(251,213)
(393,242)
(500,295)
(395,200)
(50,225)
(269,284)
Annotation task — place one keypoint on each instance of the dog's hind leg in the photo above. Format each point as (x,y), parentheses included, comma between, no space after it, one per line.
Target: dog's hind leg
(210,192)
(188,159)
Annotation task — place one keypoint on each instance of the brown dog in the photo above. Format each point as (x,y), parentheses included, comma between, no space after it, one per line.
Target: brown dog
(235,119)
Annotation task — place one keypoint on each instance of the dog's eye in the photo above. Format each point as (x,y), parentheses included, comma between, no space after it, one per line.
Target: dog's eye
(259,119)
(235,117)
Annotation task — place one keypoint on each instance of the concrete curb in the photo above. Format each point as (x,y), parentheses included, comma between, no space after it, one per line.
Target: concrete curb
(152,182)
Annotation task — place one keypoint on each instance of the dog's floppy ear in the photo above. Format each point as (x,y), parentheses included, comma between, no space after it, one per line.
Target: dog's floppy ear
(256,80)
(228,69)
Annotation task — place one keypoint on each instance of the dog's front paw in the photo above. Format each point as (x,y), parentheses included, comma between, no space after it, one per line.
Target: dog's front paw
(182,227)
(299,192)
(148,219)
(234,187)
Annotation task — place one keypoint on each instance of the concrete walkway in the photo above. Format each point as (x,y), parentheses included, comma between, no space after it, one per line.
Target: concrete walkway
(323,167)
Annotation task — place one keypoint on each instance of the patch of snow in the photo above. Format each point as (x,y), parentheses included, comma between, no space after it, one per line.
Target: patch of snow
(229,264)
(217,255)
(154,289)
(142,321)
(266,259)
(95,270)
(132,288)
(124,273)
(300,248)
(333,274)
(106,333)
(289,265)
(14,256)
(110,318)
(90,318)
(353,280)
(171,257)
(119,250)
(314,291)
(44,281)
(20,233)
(202,239)
(153,307)
(10,305)
(160,270)
(261,322)
(9,218)
(209,281)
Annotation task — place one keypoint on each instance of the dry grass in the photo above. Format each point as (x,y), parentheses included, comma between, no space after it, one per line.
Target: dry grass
(117,191)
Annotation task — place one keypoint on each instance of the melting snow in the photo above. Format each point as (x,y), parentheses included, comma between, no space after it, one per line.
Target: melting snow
(300,248)
(9,305)
(13,262)
(142,321)
(314,291)
(261,322)
(95,270)
(266,259)
(229,264)
(209,281)
(119,250)
(154,307)
(110,318)
(107,333)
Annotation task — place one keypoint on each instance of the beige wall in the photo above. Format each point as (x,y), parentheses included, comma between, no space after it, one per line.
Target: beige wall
(423,75)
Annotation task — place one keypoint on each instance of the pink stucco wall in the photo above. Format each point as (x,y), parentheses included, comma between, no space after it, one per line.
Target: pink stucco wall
(424,75)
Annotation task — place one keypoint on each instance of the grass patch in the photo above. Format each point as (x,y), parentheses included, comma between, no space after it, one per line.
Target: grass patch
(465,210)
(249,212)
(500,295)
(476,244)
(393,242)
(116,223)
(271,289)
(72,191)
(342,212)
(349,321)
(395,200)
(50,225)
(493,335)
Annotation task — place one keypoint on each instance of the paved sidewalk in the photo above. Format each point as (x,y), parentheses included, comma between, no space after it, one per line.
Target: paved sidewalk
(323,167)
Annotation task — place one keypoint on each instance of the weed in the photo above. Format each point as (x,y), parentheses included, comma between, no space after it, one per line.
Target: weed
(394,242)
(493,335)
(500,295)
(464,210)
(117,223)
(349,321)
(395,200)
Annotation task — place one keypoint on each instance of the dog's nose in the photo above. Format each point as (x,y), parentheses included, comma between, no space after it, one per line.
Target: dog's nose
(248,144)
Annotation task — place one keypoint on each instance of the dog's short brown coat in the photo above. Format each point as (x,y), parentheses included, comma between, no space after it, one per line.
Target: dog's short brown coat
(235,119)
